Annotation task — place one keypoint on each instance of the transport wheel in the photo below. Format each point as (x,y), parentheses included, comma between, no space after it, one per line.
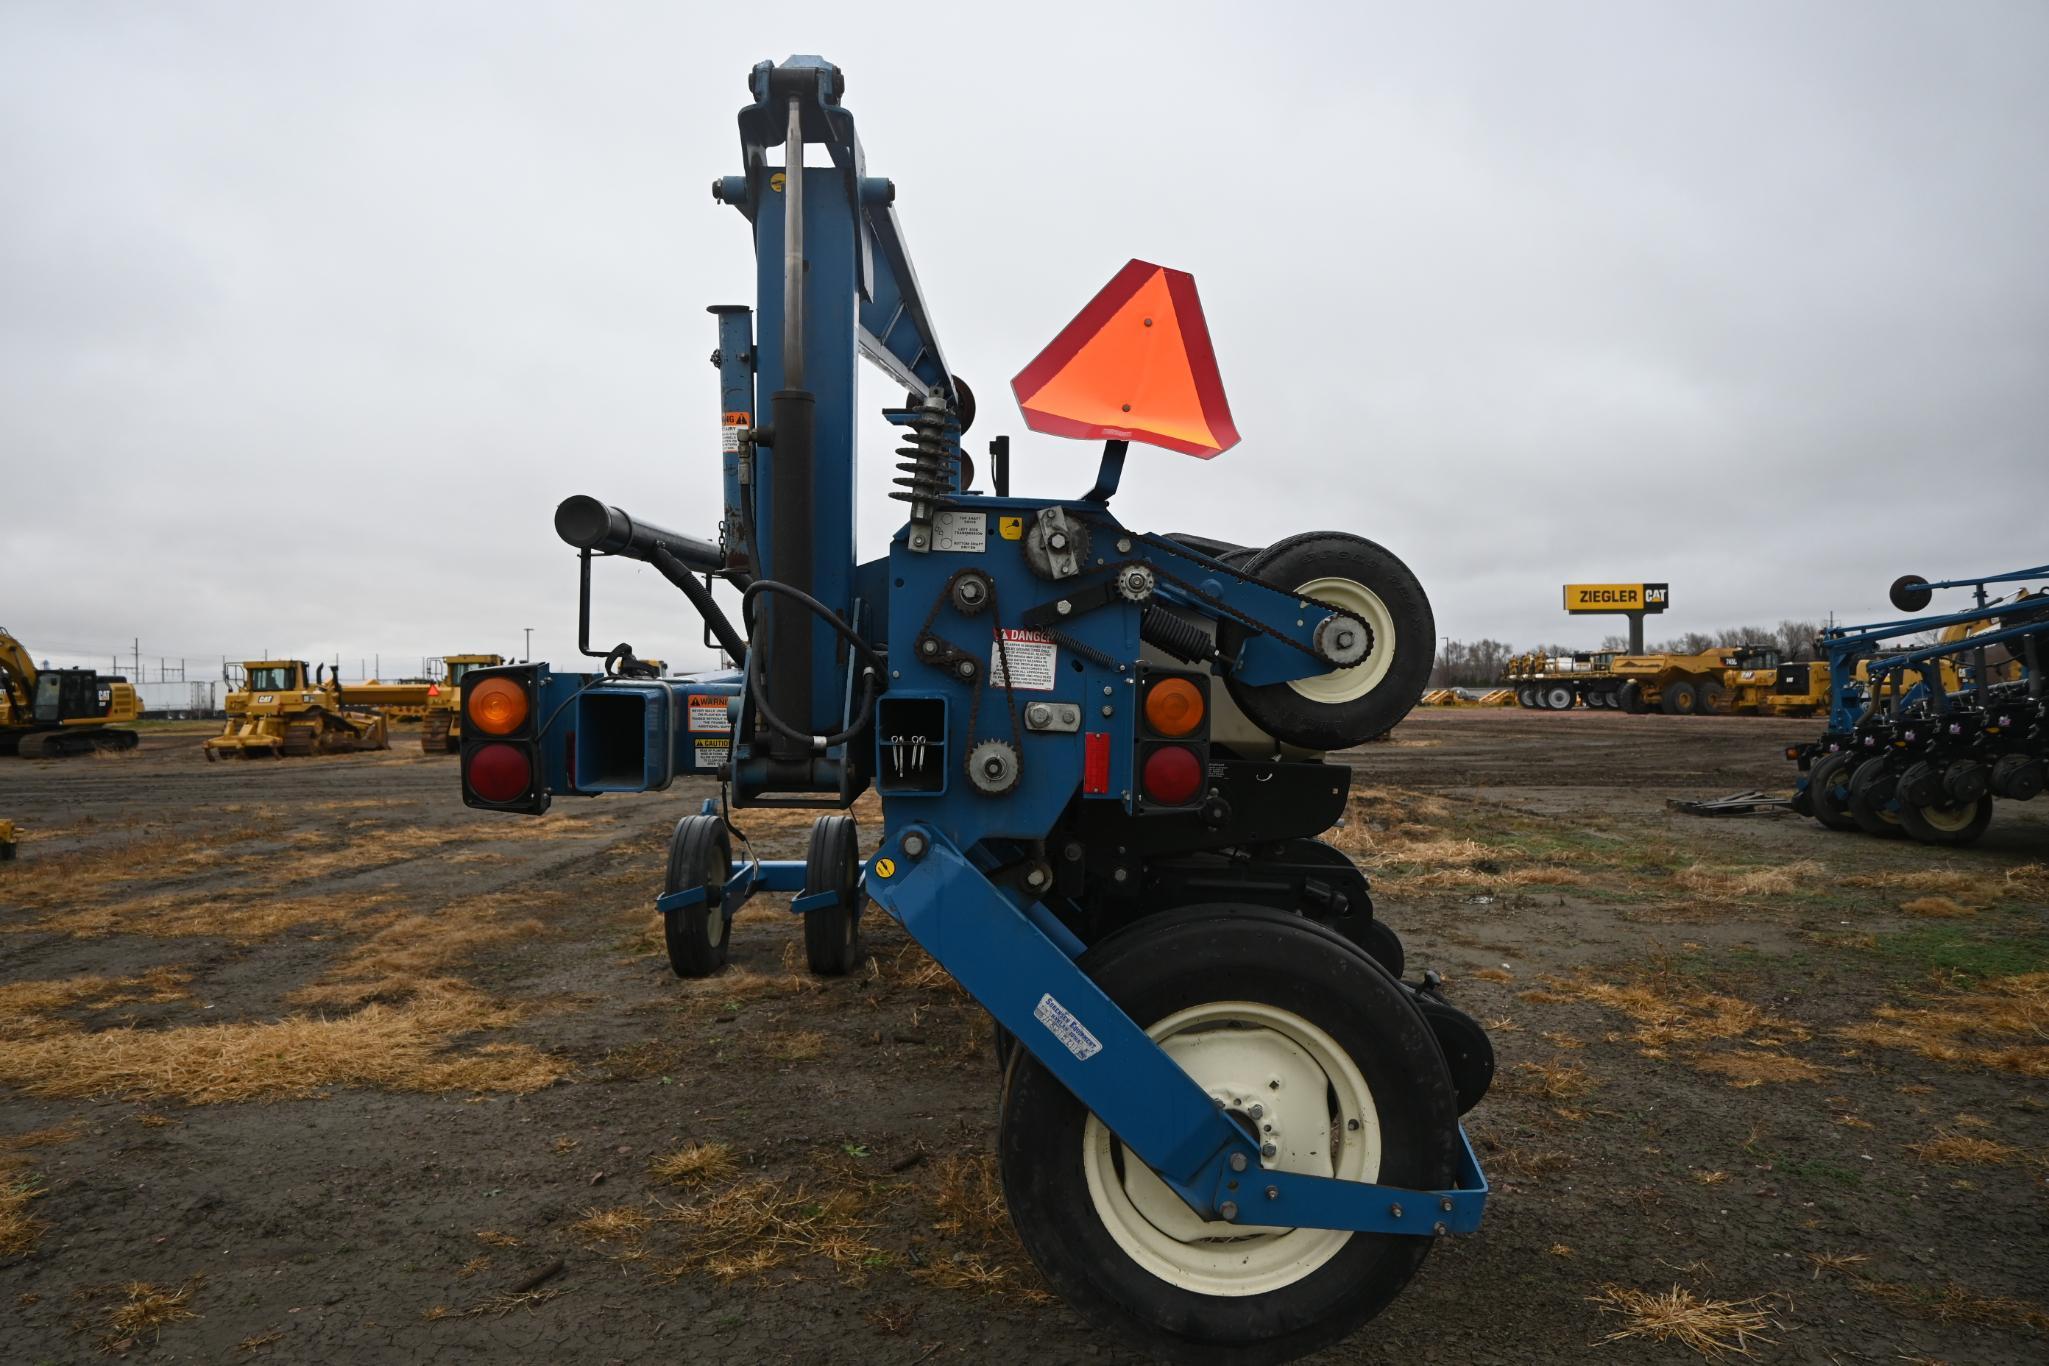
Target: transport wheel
(1526,697)
(1828,791)
(1946,822)
(832,936)
(1558,698)
(1871,799)
(700,855)
(1680,699)
(1261,1008)
(1713,699)
(1630,698)
(1345,706)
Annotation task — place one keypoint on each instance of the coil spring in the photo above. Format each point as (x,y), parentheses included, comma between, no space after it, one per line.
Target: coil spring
(925,466)
(1182,639)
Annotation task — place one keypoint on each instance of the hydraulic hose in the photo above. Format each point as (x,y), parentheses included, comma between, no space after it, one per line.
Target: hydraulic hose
(864,709)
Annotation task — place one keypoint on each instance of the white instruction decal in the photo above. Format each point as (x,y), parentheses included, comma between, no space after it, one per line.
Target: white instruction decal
(1032,657)
(1066,1028)
(708,712)
(964,532)
(711,753)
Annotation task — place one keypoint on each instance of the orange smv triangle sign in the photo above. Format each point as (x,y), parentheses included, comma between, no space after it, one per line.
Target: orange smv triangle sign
(1135,365)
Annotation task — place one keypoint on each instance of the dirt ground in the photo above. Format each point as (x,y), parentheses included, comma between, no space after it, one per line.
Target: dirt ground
(303,1061)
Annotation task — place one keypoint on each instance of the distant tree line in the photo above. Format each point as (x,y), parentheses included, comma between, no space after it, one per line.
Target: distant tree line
(1479,663)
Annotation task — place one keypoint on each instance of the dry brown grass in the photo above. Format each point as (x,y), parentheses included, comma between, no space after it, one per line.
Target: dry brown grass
(757,1226)
(1751,1067)
(1668,1011)
(1961,1150)
(41,1138)
(985,1257)
(394,1048)
(256,1342)
(2002,1025)
(407,955)
(695,1164)
(1740,884)
(1936,908)
(1835,1261)
(1713,1328)
(619,1224)
(25,1007)
(19,1230)
(243,917)
(803,1045)
(1561,1082)
(146,1312)
(1932,881)
(1954,1303)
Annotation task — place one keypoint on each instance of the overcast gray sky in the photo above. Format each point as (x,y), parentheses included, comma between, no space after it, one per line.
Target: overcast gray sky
(309,315)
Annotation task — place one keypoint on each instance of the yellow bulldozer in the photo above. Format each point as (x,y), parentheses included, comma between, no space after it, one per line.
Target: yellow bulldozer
(441,723)
(47,712)
(281,710)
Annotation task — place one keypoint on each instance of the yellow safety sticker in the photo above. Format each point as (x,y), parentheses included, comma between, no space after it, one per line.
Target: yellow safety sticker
(775,182)
(885,867)
(1011,528)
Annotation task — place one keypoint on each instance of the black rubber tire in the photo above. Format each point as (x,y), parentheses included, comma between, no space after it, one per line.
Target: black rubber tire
(1558,697)
(1828,791)
(832,937)
(700,855)
(1167,963)
(1630,697)
(1526,697)
(1382,944)
(1277,708)
(1679,699)
(1871,800)
(1711,698)
(1915,821)
(1384,947)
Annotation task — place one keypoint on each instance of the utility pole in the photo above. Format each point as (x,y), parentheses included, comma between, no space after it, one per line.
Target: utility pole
(528,656)
(138,659)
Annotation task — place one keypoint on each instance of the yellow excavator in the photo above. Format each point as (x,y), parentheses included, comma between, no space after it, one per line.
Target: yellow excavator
(441,726)
(47,712)
(281,710)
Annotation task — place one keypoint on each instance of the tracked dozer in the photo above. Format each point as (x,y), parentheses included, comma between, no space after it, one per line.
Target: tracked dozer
(48,712)
(441,723)
(282,712)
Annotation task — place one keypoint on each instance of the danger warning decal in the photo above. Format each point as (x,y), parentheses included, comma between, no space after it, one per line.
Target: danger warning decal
(708,712)
(1033,657)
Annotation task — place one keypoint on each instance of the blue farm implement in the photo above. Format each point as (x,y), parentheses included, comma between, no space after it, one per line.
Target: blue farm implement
(1229,1128)
(1932,717)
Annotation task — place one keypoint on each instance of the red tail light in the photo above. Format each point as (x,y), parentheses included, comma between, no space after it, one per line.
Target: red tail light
(500,772)
(1172,775)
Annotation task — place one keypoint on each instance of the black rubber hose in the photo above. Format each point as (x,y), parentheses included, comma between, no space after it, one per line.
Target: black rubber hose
(865,708)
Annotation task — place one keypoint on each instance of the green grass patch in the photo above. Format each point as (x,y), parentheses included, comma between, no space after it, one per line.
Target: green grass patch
(1968,949)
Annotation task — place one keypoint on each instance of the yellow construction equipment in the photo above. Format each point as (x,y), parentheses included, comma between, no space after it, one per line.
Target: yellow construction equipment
(282,711)
(6,841)
(47,712)
(1468,697)
(441,723)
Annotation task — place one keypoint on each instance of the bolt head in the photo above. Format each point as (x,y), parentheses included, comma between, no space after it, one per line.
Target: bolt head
(1229,1210)
(1268,1150)
(1109,710)
(1121,875)
(1273,1192)
(914,845)
(1124,545)
(1256,1110)
(1395,1210)
(1238,1163)
(1063,607)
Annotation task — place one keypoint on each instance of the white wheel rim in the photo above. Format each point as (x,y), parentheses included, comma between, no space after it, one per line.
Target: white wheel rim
(1347,685)
(1237,1051)
(1950,819)
(714,923)
(1560,699)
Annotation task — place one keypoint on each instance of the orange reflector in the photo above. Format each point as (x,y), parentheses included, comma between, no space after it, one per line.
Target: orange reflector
(1173,707)
(497,705)
(1134,365)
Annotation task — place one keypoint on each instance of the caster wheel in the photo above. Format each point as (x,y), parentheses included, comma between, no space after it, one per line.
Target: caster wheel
(1946,823)
(1260,1008)
(832,936)
(700,855)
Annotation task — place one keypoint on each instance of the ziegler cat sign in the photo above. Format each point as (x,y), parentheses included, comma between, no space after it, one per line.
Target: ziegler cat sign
(1617,597)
